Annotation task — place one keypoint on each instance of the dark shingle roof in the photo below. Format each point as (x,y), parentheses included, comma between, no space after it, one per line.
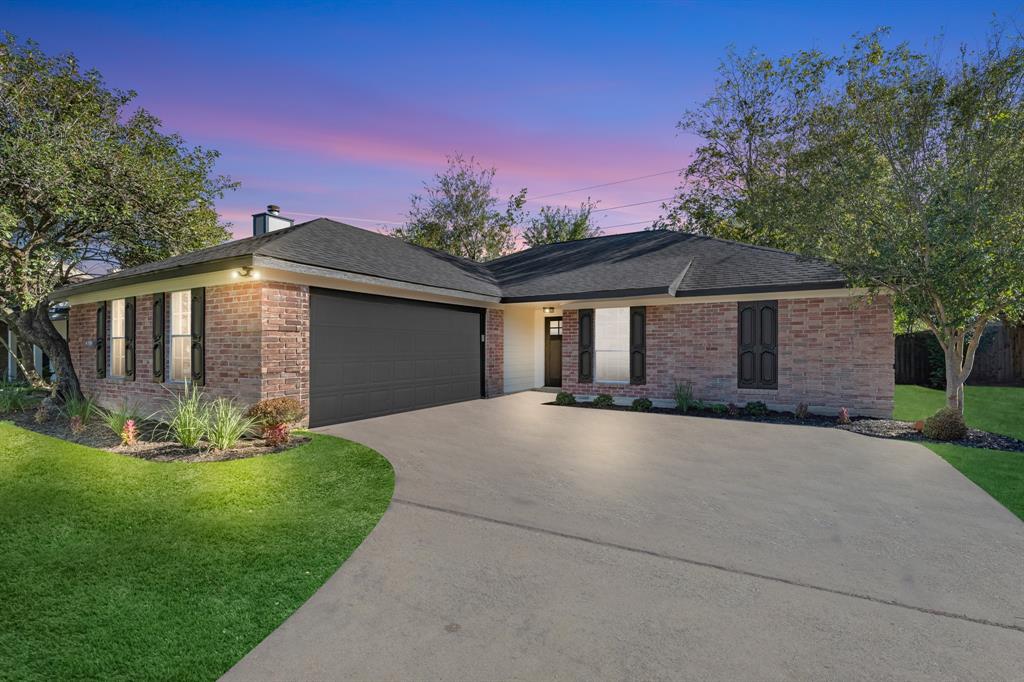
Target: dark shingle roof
(653,262)
(635,263)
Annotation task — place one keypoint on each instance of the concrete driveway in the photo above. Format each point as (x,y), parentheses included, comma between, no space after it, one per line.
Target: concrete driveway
(528,541)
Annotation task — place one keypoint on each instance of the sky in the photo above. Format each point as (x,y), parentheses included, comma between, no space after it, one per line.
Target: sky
(345,109)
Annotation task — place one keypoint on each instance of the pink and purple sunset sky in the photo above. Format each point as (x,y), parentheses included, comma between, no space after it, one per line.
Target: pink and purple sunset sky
(344,109)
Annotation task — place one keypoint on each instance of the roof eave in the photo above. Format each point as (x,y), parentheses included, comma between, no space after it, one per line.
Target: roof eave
(112,281)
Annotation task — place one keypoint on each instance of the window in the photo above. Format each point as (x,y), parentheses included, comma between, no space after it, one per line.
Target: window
(555,326)
(181,336)
(117,337)
(611,344)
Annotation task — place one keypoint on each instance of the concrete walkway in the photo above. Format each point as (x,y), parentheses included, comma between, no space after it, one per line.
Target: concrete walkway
(527,541)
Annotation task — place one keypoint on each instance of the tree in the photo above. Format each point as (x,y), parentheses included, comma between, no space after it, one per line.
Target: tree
(561,224)
(86,184)
(902,170)
(461,215)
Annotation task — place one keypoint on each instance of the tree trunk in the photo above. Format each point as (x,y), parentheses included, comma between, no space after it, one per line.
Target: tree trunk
(960,355)
(34,325)
(27,361)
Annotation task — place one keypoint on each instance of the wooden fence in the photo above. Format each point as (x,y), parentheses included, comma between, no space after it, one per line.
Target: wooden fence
(1000,358)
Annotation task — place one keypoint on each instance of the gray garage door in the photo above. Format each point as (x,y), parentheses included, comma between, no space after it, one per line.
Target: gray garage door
(374,355)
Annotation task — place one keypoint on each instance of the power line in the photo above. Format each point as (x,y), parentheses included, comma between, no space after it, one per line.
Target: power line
(606,184)
(639,222)
(639,203)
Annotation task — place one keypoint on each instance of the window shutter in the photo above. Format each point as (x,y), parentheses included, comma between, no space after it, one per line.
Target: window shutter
(586,346)
(101,339)
(767,341)
(199,336)
(159,320)
(638,345)
(758,344)
(129,337)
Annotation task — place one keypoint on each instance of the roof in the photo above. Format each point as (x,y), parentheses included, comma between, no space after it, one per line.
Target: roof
(629,264)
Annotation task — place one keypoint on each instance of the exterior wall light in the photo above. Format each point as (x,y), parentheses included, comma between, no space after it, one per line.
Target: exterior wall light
(245,271)
(548,310)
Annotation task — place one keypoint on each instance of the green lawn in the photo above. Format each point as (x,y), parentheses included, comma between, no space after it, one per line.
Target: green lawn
(119,568)
(997,409)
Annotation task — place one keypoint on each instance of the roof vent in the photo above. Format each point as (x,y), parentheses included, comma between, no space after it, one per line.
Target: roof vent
(269,220)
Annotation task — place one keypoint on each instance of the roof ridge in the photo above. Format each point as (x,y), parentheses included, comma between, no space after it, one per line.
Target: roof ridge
(570,241)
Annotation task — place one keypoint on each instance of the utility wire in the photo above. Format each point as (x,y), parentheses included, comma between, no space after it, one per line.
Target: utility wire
(606,184)
(639,203)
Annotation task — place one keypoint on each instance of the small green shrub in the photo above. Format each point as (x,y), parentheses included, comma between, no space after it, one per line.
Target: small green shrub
(946,424)
(756,408)
(683,394)
(698,406)
(227,424)
(565,398)
(641,405)
(603,401)
(116,417)
(718,408)
(16,398)
(186,417)
(802,411)
(80,410)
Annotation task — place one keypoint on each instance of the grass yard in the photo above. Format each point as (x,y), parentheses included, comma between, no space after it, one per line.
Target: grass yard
(992,408)
(120,568)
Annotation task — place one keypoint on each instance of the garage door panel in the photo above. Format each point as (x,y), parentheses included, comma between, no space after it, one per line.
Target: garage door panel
(372,355)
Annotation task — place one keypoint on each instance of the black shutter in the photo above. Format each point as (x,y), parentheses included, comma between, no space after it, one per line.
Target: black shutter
(758,344)
(129,337)
(101,339)
(159,319)
(638,345)
(586,346)
(199,336)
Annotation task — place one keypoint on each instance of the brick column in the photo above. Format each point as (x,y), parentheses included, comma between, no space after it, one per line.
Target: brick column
(494,353)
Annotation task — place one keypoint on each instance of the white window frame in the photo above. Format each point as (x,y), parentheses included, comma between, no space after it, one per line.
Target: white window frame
(176,333)
(611,340)
(116,369)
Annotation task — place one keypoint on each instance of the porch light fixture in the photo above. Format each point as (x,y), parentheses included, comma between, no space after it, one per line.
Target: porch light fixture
(548,310)
(245,271)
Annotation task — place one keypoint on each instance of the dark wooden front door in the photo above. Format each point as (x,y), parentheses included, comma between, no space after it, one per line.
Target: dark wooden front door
(552,351)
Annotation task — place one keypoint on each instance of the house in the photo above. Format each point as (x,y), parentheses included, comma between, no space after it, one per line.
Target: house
(356,324)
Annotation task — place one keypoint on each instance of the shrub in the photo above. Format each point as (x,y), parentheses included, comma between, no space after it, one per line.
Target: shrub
(274,417)
(946,424)
(565,398)
(642,405)
(732,409)
(42,414)
(844,416)
(15,398)
(227,424)
(683,394)
(756,408)
(603,401)
(718,408)
(83,408)
(802,411)
(76,424)
(129,433)
(698,406)
(115,418)
(186,417)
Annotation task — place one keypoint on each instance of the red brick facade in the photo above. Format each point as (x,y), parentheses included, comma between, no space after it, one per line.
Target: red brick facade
(832,353)
(494,353)
(257,346)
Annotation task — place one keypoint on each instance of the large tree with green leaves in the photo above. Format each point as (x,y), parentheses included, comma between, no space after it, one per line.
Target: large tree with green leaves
(905,170)
(460,213)
(87,183)
(561,224)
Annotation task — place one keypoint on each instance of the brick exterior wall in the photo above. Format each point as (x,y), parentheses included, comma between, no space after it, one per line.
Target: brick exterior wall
(832,353)
(257,346)
(494,353)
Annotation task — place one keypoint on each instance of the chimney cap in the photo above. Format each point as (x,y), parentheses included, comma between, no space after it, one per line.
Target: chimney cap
(273,209)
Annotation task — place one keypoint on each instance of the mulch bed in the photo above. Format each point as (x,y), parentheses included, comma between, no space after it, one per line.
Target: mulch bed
(99,436)
(865,426)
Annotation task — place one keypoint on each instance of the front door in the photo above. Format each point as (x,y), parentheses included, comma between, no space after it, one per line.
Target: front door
(552,351)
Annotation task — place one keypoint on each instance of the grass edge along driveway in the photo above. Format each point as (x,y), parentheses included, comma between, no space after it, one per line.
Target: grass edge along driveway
(999,409)
(120,568)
